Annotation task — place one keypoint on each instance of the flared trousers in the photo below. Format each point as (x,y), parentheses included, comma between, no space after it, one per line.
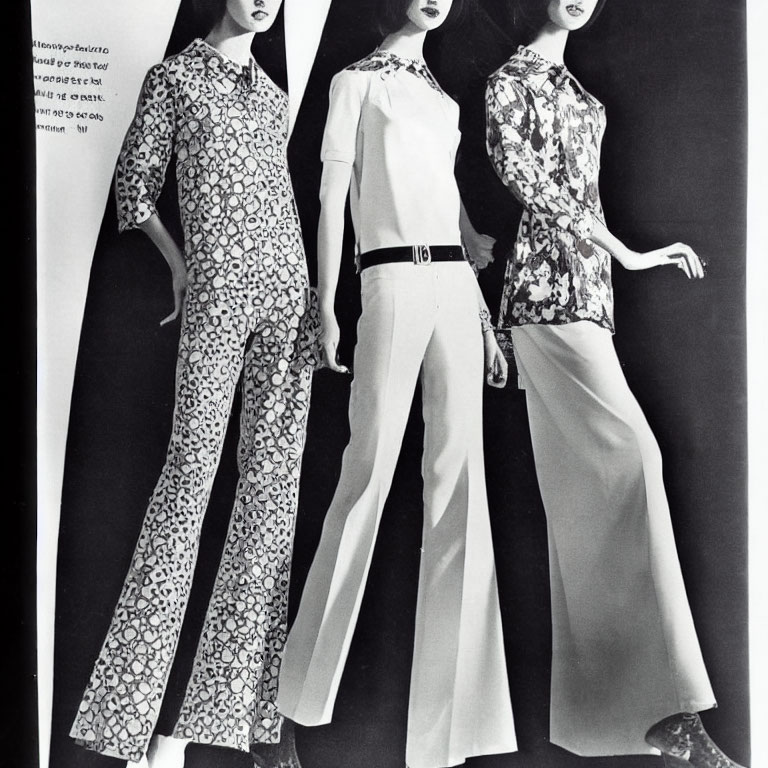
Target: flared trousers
(415,319)
(625,652)
(230,697)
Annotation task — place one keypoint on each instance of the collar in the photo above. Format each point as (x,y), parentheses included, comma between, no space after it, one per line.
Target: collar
(541,70)
(222,64)
(416,67)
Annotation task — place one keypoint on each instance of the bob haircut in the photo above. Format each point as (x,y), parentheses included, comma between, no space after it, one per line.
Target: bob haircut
(527,17)
(209,12)
(392,15)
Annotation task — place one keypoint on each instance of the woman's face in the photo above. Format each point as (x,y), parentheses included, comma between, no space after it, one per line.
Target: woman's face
(253,15)
(428,14)
(570,14)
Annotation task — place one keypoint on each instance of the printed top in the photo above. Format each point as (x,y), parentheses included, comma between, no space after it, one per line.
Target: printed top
(228,127)
(543,137)
(390,119)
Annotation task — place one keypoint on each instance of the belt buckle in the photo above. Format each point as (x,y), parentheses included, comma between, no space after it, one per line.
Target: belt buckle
(421,254)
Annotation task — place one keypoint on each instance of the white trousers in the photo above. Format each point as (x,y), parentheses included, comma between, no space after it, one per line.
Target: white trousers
(625,652)
(414,319)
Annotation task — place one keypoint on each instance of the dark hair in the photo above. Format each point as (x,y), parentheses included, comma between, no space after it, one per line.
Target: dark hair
(208,13)
(392,15)
(527,17)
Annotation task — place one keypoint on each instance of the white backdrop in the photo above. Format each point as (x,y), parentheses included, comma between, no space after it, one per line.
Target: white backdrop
(90,58)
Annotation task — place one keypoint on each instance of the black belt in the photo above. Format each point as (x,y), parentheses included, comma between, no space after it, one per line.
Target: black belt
(416,254)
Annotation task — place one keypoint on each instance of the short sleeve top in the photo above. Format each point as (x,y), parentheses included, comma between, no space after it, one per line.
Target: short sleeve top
(391,121)
(543,137)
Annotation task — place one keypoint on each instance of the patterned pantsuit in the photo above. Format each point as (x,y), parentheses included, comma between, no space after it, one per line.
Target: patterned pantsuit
(625,652)
(230,696)
(415,320)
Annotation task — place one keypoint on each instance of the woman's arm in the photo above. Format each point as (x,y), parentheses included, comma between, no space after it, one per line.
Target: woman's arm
(140,174)
(480,248)
(161,237)
(146,151)
(334,187)
(677,254)
(510,143)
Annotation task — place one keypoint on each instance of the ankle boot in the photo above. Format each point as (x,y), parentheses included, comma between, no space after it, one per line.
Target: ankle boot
(684,743)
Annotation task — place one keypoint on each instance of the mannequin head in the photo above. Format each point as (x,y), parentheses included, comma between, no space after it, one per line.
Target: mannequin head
(573,15)
(419,15)
(529,17)
(241,15)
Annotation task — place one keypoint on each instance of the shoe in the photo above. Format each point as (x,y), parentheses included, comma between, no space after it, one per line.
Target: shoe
(684,743)
(166,752)
(280,755)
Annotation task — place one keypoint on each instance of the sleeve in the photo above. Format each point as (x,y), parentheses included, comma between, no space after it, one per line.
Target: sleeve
(146,151)
(346,101)
(510,143)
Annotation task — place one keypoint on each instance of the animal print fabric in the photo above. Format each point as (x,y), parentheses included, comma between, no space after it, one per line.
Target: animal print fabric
(543,137)
(248,316)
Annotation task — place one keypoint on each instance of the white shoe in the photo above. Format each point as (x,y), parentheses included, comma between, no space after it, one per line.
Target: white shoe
(166,752)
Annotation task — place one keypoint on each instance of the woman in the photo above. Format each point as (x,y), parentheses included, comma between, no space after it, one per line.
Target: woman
(392,134)
(627,672)
(242,290)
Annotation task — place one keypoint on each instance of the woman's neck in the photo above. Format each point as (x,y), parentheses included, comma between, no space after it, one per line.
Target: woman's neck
(550,43)
(231,40)
(407,42)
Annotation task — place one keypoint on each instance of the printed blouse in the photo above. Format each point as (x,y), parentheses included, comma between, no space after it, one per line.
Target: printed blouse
(543,137)
(227,125)
(392,122)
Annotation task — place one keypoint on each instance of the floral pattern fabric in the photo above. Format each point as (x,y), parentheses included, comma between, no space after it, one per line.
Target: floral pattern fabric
(385,62)
(248,315)
(543,137)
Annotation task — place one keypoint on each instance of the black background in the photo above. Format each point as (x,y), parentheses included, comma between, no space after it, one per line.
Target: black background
(673,79)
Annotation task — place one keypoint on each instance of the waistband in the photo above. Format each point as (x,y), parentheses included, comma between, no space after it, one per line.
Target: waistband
(416,254)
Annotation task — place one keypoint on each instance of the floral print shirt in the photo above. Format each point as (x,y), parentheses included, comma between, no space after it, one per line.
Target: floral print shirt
(543,137)
(227,125)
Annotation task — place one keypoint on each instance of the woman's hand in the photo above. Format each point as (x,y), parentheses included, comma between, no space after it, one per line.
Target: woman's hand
(154,228)
(678,254)
(329,340)
(179,273)
(495,362)
(480,249)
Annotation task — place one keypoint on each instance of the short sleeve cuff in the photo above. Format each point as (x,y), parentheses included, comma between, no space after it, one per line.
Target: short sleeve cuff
(135,216)
(580,225)
(337,155)
(345,104)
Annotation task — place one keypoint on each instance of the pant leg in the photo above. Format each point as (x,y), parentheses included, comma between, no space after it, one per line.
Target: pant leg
(393,331)
(459,697)
(230,699)
(625,652)
(121,704)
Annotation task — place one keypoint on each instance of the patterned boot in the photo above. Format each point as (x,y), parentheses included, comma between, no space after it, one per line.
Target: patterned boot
(684,743)
(281,755)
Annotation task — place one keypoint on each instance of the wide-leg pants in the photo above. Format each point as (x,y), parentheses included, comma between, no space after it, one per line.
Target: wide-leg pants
(625,651)
(414,319)
(230,698)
